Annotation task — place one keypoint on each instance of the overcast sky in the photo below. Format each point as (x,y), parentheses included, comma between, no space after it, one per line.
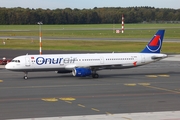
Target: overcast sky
(80,4)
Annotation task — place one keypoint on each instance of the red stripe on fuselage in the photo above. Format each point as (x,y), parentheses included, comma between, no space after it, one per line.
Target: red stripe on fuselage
(154,42)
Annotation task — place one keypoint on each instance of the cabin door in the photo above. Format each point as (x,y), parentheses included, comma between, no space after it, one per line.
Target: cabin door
(102,60)
(61,61)
(142,59)
(27,61)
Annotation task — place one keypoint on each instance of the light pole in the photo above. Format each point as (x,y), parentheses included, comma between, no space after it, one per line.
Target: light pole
(40,36)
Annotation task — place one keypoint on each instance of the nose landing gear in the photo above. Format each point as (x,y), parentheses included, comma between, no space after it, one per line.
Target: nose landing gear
(25,76)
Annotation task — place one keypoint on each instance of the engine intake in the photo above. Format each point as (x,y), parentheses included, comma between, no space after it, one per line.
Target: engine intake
(81,72)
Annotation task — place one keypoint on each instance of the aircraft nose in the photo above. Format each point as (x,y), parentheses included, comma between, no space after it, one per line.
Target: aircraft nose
(7,66)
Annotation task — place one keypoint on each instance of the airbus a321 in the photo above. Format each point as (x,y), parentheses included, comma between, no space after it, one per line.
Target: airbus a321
(82,65)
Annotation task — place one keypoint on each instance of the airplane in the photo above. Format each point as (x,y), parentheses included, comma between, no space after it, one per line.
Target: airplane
(82,65)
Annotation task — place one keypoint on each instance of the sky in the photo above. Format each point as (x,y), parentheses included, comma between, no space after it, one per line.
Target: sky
(88,4)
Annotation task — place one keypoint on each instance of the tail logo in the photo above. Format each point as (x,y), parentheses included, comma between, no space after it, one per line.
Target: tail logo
(155,44)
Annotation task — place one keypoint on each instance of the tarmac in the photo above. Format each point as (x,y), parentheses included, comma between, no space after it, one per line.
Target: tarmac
(149,92)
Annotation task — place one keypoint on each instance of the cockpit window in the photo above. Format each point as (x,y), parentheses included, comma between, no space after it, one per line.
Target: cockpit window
(16,61)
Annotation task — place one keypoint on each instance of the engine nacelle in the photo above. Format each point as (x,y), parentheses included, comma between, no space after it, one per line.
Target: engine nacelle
(81,72)
(63,71)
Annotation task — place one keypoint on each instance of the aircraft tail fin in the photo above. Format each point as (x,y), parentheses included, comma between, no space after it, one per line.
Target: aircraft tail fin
(154,46)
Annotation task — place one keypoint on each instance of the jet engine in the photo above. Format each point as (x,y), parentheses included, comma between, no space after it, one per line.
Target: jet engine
(81,72)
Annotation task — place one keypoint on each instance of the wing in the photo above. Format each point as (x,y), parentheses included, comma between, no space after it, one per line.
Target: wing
(111,66)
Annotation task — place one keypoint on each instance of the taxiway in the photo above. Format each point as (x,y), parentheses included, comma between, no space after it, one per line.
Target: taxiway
(150,88)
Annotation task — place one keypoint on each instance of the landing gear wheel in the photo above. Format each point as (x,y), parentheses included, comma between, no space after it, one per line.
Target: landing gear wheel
(25,77)
(95,75)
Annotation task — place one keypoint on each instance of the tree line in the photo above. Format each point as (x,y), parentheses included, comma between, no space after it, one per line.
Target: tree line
(105,15)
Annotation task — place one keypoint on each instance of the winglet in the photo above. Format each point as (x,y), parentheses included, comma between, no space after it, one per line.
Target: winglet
(154,46)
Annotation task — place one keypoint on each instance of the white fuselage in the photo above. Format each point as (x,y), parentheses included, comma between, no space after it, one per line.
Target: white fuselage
(56,62)
(82,65)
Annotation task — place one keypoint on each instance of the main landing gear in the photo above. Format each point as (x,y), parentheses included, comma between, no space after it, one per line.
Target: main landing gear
(25,75)
(94,74)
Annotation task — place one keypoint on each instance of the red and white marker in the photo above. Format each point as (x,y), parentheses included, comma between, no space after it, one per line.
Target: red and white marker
(122,23)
